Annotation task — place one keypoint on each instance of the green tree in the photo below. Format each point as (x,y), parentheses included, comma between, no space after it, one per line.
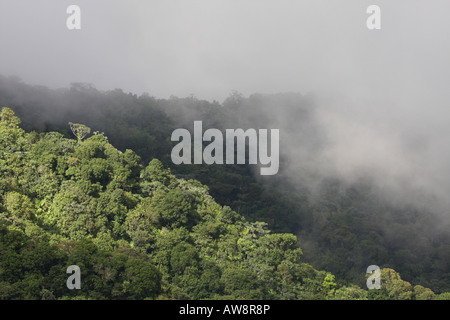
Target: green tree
(352,292)
(79,130)
(442,296)
(142,279)
(174,208)
(329,285)
(183,255)
(241,283)
(422,293)
(10,132)
(19,205)
(396,288)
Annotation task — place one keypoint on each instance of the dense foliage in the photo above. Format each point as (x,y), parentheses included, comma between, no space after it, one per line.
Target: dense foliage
(115,200)
(139,232)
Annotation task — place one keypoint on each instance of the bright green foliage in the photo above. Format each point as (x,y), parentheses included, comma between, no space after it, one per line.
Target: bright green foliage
(350,293)
(19,205)
(395,287)
(329,285)
(79,130)
(442,296)
(422,293)
(10,133)
(155,174)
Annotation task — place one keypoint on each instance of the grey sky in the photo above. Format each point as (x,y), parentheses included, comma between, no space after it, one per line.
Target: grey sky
(210,47)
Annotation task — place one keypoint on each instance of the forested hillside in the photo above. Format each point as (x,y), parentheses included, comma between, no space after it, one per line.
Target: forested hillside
(122,210)
(139,232)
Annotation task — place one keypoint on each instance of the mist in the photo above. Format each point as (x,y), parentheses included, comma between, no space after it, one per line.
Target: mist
(380,96)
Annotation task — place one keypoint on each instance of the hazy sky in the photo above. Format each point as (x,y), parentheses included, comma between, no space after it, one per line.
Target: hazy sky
(211,47)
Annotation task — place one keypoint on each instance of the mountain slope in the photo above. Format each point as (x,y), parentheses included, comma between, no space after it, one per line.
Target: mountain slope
(343,227)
